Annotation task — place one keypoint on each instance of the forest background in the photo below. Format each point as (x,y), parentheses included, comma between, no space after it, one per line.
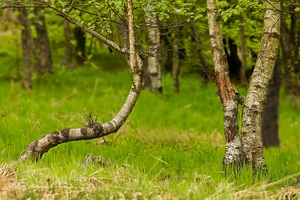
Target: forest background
(171,146)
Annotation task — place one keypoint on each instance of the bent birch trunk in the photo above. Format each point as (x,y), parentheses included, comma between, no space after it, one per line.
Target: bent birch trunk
(36,149)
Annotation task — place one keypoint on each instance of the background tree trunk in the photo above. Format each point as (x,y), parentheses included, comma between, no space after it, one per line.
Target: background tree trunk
(27,44)
(153,60)
(205,73)
(257,93)
(233,60)
(175,58)
(243,79)
(271,110)
(290,42)
(43,56)
(80,45)
(67,60)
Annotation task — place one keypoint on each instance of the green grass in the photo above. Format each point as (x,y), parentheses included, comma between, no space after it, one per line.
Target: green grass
(170,147)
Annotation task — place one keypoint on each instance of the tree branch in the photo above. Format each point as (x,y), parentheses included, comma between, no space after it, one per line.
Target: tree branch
(36,149)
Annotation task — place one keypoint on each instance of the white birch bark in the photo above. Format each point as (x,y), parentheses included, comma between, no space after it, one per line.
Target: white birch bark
(256,96)
(153,34)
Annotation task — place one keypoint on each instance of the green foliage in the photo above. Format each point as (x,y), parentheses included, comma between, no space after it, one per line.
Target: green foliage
(252,13)
(170,147)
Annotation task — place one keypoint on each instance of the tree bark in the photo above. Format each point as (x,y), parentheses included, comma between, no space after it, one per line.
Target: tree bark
(290,41)
(256,96)
(43,56)
(233,60)
(243,79)
(228,95)
(27,44)
(270,119)
(80,45)
(36,149)
(205,72)
(175,58)
(67,60)
(153,50)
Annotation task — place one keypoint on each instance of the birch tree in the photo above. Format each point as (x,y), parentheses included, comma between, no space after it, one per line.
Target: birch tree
(246,149)
(153,51)
(93,129)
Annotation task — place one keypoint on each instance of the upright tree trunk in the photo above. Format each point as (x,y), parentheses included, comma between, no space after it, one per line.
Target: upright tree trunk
(175,58)
(270,136)
(243,79)
(43,56)
(256,96)
(67,60)
(233,60)
(153,60)
(27,45)
(290,41)
(80,45)
(204,72)
(228,95)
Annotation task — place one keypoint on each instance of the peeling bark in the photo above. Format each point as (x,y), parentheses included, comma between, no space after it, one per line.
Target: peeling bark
(248,149)
(36,149)
(228,95)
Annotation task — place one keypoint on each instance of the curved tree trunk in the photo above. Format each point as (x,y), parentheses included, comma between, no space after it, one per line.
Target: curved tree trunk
(36,149)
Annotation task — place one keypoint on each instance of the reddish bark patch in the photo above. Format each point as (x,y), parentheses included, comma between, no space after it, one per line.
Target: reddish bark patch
(225,90)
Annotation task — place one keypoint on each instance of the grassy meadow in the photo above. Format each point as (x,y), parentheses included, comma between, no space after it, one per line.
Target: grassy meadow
(171,146)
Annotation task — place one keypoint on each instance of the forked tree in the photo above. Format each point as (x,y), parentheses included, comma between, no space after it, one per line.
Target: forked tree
(245,147)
